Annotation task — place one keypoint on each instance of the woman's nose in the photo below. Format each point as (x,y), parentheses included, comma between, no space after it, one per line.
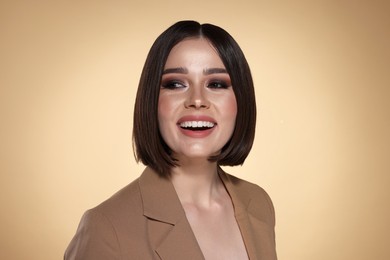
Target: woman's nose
(197,99)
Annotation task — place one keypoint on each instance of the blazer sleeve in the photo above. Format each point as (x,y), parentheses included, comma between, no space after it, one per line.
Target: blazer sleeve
(95,239)
(272,216)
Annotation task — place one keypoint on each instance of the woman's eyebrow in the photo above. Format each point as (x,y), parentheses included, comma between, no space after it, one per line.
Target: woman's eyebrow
(214,71)
(179,70)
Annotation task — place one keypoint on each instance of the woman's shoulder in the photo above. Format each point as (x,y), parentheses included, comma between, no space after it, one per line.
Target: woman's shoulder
(254,197)
(246,187)
(123,203)
(112,229)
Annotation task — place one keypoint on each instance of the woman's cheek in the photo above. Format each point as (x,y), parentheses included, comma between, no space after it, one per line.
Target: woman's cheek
(164,106)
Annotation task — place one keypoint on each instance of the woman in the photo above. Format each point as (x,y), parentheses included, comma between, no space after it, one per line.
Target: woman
(195,111)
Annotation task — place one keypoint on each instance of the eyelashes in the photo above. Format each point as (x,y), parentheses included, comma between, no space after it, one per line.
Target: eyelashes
(218,85)
(172,84)
(177,84)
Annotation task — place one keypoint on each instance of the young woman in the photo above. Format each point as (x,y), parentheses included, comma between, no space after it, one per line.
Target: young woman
(195,111)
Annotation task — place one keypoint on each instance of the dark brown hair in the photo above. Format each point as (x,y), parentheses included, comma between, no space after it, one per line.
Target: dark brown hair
(149,147)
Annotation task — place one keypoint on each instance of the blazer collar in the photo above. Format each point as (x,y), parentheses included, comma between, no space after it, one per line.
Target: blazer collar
(157,191)
(170,232)
(241,205)
(161,204)
(159,198)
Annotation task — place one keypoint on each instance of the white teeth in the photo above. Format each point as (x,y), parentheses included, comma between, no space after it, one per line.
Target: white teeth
(196,124)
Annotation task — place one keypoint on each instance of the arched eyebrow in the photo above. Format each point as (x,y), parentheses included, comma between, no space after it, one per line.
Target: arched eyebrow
(181,70)
(214,71)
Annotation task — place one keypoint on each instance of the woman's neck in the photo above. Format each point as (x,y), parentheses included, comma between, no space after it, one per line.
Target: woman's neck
(197,182)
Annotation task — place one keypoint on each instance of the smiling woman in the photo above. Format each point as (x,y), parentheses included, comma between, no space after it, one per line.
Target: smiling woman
(197,106)
(150,148)
(195,111)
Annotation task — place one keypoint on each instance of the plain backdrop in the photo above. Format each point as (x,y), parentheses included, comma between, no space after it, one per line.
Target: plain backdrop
(68,77)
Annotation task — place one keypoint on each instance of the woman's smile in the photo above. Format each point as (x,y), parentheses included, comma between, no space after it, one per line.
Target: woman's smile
(197,107)
(196,126)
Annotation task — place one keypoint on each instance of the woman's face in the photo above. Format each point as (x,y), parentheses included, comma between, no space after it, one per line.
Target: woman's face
(197,107)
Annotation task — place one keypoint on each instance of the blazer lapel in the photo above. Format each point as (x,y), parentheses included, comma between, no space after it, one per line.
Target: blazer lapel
(169,232)
(254,231)
(240,210)
(257,235)
(263,239)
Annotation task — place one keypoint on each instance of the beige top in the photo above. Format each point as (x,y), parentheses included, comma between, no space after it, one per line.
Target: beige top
(145,220)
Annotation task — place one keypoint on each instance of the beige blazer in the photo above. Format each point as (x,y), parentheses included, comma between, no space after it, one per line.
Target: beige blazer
(145,220)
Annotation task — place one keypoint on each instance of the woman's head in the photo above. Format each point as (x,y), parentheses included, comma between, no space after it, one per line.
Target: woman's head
(149,145)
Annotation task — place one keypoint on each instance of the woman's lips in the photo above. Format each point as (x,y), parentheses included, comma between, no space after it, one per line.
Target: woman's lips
(196,126)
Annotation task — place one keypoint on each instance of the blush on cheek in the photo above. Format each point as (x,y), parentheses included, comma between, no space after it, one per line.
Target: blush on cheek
(229,106)
(163,107)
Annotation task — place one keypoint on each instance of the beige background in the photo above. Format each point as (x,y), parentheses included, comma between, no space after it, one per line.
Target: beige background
(68,76)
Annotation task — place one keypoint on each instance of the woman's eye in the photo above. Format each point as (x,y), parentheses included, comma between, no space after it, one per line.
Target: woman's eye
(172,85)
(218,84)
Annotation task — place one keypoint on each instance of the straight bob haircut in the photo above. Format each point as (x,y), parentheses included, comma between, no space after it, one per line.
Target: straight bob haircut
(149,146)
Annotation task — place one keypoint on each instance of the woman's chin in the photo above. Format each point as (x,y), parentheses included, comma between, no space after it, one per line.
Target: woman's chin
(195,156)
